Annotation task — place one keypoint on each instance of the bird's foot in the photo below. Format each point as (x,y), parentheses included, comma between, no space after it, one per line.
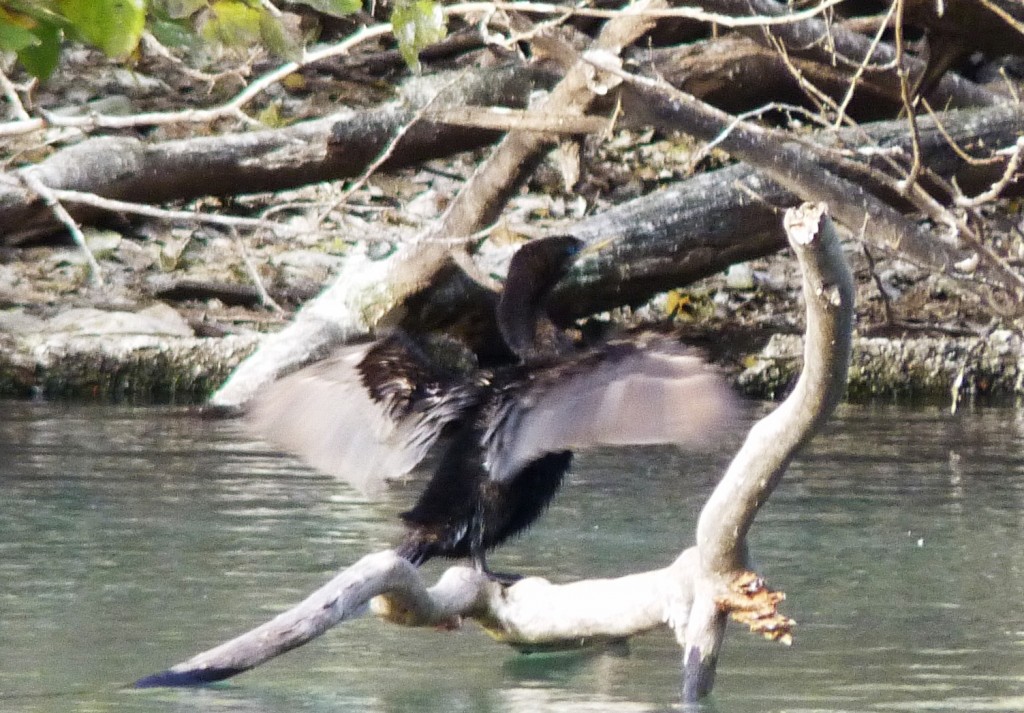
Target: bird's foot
(505,579)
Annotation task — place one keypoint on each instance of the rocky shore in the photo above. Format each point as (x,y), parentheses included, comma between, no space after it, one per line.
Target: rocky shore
(152,356)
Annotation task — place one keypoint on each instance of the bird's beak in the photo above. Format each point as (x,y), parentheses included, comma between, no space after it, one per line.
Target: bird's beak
(594,247)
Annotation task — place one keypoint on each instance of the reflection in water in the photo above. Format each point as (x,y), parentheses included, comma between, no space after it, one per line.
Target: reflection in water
(133,538)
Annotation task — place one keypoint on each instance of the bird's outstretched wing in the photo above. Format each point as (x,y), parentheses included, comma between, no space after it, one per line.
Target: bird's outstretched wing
(366,414)
(626,393)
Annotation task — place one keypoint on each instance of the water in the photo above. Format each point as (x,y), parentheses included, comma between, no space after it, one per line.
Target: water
(131,539)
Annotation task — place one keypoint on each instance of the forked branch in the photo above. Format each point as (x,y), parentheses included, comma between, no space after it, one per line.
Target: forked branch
(694,595)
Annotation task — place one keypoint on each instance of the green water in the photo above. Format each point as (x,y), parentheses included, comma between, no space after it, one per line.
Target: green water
(131,539)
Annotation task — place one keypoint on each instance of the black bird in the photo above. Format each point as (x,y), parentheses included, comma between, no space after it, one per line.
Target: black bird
(373,412)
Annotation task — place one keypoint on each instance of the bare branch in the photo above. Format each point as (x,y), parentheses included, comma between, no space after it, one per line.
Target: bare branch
(780,158)
(829,291)
(1009,174)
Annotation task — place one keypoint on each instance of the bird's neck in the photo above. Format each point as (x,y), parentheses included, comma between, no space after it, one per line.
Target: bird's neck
(525,325)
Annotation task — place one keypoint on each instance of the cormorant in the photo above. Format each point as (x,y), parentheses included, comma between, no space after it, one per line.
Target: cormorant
(374,411)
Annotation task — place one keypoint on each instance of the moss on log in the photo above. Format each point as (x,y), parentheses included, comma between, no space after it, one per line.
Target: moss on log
(934,369)
(135,368)
(161,369)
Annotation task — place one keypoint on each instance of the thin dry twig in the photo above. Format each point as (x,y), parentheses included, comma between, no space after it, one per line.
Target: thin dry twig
(908,104)
(144,209)
(1004,15)
(35,184)
(254,274)
(384,155)
(957,149)
(689,13)
(229,221)
(1009,174)
(152,44)
(11,93)
(862,68)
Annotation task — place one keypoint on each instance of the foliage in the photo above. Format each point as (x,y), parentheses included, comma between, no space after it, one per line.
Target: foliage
(35,30)
(417,24)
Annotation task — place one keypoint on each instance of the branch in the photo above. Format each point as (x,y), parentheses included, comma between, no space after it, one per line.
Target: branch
(829,293)
(773,441)
(825,42)
(791,165)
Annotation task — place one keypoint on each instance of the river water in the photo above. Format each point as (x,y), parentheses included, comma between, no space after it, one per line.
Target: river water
(132,538)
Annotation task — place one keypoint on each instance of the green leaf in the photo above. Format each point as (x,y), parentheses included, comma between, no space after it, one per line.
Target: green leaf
(278,39)
(14,38)
(417,24)
(173,33)
(337,8)
(114,26)
(179,9)
(41,59)
(233,23)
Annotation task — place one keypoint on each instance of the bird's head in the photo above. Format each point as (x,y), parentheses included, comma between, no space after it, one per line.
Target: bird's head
(543,262)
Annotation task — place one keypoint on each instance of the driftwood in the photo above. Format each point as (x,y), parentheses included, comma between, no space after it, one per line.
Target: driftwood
(346,144)
(342,145)
(714,219)
(823,42)
(693,596)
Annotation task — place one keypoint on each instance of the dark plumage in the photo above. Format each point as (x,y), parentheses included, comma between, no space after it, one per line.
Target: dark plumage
(373,412)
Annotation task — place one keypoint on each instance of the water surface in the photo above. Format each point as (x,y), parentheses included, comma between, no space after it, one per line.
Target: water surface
(132,538)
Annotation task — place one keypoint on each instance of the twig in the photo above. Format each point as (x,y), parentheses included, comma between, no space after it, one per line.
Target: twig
(1009,174)
(890,318)
(149,211)
(154,45)
(690,13)
(254,275)
(908,104)
(862,67)
(384,155)
(1004,15)
(957,149)
(229,221)
(11,92)
(53,203)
